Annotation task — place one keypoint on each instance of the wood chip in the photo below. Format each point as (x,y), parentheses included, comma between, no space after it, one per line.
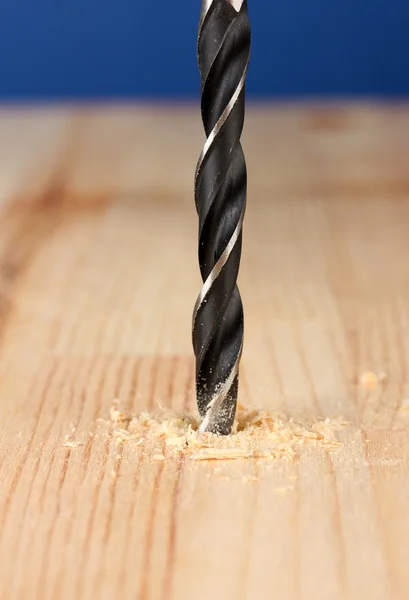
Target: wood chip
(370,380)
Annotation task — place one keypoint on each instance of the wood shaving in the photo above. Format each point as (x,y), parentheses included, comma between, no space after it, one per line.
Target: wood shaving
(370,380)
(257,434)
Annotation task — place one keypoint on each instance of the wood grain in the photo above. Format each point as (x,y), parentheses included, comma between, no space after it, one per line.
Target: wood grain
(98,277)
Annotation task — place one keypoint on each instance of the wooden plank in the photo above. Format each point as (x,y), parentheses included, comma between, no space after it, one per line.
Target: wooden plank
(30,144)
(98,276)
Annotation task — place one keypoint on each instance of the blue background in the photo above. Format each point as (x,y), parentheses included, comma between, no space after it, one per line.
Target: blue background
(146,48)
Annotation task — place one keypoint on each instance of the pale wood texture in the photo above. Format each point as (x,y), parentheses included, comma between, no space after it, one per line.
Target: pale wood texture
(98,277)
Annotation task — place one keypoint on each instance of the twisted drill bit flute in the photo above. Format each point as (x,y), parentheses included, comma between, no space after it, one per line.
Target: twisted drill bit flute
(220,196)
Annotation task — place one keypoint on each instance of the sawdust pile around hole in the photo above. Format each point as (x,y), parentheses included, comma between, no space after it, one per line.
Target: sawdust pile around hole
(257,434)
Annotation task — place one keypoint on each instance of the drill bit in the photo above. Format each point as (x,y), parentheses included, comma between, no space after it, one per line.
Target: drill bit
(220,196)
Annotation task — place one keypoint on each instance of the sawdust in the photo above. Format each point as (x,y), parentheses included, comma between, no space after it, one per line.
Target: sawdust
(69,439)
(73,444)
(257,434)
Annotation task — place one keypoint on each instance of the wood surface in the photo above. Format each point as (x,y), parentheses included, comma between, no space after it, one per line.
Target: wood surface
(98,277)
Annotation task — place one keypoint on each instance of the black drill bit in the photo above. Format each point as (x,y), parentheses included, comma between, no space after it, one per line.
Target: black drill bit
(220,195)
